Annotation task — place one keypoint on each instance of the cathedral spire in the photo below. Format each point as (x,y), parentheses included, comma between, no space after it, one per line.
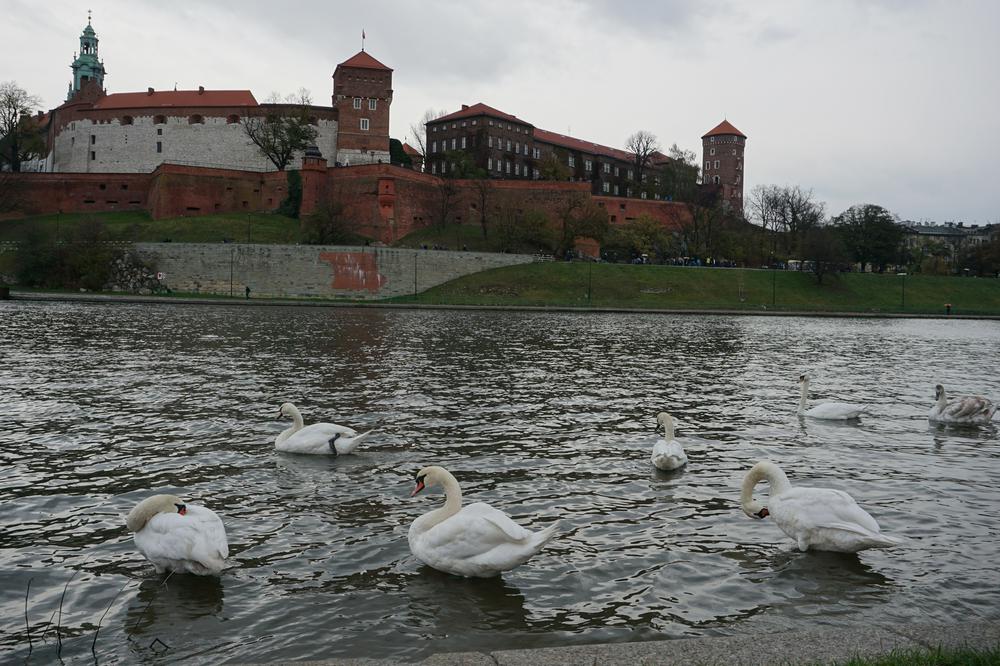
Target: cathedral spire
(86,66)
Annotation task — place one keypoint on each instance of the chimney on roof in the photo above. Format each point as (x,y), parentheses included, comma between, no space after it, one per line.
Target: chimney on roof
(464,107)
(149,91)
(201,90)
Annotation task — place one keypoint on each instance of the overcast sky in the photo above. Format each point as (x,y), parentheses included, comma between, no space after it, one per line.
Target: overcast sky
(893,102)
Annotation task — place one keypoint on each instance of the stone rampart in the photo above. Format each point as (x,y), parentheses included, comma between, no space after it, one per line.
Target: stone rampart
(319,271)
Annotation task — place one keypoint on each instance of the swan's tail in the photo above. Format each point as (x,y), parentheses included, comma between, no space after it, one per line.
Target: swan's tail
(540,538)
(885,541)
(346,445)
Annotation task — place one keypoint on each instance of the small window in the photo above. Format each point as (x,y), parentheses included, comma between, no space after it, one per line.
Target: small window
(588,165)
(364,124)
(716,164)
(489,164)
(617,174)
(93,155)
(159,131)
(196,119)
(734,151)
(372,104)
(357,102)
(434,146)
(607,168)
(159,120)
(571,161)
(453,143)
(93,139)
(606,187)
(711,151)
(715,179)
(463,142)
(126,120)
(708,165)
(711,139)
(232,119)
(473,122)
(159,146)
(630,174)
(489,141)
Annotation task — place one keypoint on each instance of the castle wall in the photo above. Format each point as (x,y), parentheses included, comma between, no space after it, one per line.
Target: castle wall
(98,142)
(312,270)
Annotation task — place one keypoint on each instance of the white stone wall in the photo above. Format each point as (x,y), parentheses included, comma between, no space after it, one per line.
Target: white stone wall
(131,148)
(354,157)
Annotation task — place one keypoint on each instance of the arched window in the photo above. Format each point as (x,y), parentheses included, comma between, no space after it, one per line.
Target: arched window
(159,120)
(233,119)
(196,119)
(715,179)
(126,120)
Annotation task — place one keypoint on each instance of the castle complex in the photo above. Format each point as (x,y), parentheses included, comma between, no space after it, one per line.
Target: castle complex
(186,152)
(135,132)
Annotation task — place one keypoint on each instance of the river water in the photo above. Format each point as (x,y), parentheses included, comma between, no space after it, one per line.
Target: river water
(545,416)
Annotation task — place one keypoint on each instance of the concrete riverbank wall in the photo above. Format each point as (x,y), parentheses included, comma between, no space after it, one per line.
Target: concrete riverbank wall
(322,271)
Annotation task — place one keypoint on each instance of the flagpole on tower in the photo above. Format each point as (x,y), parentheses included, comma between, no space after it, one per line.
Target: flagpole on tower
(362,39)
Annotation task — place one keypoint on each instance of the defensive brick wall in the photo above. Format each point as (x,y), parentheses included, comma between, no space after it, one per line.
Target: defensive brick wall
(312,270)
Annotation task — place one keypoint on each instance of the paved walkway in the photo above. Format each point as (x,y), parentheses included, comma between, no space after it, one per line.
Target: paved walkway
(323,303)
(784,649)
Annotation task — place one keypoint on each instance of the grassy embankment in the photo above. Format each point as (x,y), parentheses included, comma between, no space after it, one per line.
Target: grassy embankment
(938,657)
(674,287)
(577,284)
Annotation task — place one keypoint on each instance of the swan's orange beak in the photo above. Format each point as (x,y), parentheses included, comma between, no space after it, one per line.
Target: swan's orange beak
(420,486)
(181,508)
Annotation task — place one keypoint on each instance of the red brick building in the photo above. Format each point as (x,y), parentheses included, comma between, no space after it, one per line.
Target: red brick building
(507,147)
(362,93)
(722,147)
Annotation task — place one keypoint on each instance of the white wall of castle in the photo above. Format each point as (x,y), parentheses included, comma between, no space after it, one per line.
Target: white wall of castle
(86,146)
(354,157)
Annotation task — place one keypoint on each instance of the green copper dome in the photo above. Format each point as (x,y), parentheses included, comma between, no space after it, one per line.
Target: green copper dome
(86,66)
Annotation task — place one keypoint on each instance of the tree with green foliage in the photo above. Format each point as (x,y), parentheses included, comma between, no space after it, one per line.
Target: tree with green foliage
(293,200)
(516,230)
(679,176)
(462,165)
(327,225)
(20,139)
(871,235)
(823,250)
(85,261)
(642,236)
(579,217)
(397,155)
(553,167)
(284,128)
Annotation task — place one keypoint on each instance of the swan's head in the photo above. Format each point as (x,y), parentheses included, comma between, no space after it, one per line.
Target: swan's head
(938,392)
(803,378)
(664,420)
(286,410)
(149,507)
(762,471)
(428,477)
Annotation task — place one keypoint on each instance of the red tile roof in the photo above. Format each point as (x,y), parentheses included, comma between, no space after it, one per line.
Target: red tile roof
(724,128)
(410,150)
(363,60)
(479,109)
(176,98)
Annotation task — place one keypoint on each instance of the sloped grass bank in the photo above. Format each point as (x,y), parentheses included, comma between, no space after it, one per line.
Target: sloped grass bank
(562,284)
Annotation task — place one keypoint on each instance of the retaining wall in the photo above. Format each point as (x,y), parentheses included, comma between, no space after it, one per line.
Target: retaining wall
(323,271)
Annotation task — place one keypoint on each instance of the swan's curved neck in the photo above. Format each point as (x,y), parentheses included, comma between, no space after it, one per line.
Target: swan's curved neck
(942,400)
(297,422)
(803,400)
(762,471)
(452,502)
(668,428)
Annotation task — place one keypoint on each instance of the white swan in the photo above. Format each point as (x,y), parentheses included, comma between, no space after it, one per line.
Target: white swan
(833,411)
(817,518)
(474,541)
(179,537)
(966,409)
(668,454)
(319,438)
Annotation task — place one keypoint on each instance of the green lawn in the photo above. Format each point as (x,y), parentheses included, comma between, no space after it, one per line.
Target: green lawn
(138,227)
(670,287)
(937,657)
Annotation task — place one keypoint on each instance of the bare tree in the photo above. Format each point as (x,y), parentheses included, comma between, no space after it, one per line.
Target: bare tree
(784,212)
(483,189)
(642,145)
(419,130)
(284,129)
(16,107)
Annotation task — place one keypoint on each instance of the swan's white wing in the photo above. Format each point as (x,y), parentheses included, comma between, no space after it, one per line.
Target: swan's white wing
(814,508)
(474,530)
(668,455)
(170,538)
(315,438)
(969,407)
(835,411)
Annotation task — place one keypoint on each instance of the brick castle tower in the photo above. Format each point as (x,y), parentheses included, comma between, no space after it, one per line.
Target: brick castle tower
(362,93)
(722,150)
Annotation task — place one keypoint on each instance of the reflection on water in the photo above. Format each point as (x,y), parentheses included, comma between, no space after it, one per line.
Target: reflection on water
(545,416)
